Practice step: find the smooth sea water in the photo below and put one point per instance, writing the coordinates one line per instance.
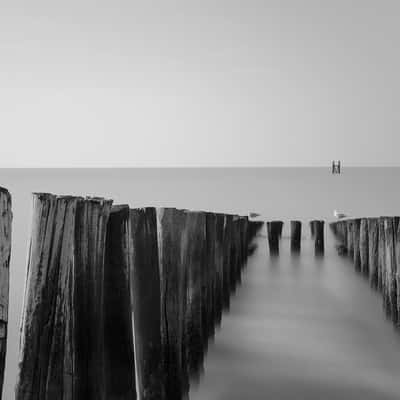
(298, 327)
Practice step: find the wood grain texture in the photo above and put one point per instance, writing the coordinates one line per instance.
(146, 305)
(120, 304)
(62, 345)
(5, 254)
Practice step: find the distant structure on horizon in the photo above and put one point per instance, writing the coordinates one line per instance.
(336, 168)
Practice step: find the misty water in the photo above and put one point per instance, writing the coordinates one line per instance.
(302, 327)
(298, 327)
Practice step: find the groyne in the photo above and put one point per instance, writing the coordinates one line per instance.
(120, 303)
(373, 244)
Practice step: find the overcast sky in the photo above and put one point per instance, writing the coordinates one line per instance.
(199, 83)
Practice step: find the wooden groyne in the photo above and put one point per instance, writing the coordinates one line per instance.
(373, 244)
(5, 252)
(120, 303)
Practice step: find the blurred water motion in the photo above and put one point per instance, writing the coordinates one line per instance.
(302, 327)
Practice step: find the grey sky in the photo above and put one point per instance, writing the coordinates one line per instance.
(129, 83)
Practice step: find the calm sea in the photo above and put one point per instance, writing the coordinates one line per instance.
(299, 327)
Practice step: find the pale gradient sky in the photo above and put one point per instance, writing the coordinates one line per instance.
(193, 83)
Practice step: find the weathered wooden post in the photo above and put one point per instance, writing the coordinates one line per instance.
(274, 229)
(381, 255)
(295, 236)
(364, 256)
(350, 238)
(118, 333)
(219, 264)
(62, 336)
(144, 278)
(397, 251)
(318, 234)
(46, 268)
(170, 223)
(211, 268)
(194, 258)
(92, 215)
(235, 253)
(312, 230)
(5, 253)
(373, 260)
(356, 241)
(227, 260)
(390, 294)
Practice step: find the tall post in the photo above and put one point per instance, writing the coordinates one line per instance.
(5, 253)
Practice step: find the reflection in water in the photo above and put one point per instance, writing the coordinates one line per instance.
(302, 327)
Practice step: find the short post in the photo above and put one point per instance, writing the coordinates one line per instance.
(295, 236)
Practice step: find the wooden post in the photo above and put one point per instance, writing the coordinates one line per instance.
(390, 294)
(62, 335)
(194, 258)
(381, 255)
(219, 264)
(144, 281)
(211, 268)
(312, 229)
(170, 223)
(274, 229)
(373, 240)
(42, 284)
(318, 234)
(92, 216)
(350, 238)
(295, 236)
(118, 333)
(397, 251)
(356, 241)
(227, 260)
(364, 256)
(5, 253)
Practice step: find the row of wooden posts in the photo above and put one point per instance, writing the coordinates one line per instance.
(274, 232)
(120, 303)
(373, 244)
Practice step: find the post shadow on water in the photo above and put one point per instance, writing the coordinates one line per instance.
(302, 326)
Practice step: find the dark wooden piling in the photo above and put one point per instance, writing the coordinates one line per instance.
(364, 241)
(219, 267)
(373, 255)
(194, 258)
(312, 229)
(5, 253)
(211, 231)
(397, 252)
(227, 245)
(144, 278)
(350, 238)
(62, 336)
(381, 254)
(356, 242)
(274, 230)
(119, 357)
(390, 293)
(92, 216)
(42, 285)
(235, 253)
(295, 236)
(170, 223)
(318, 234)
